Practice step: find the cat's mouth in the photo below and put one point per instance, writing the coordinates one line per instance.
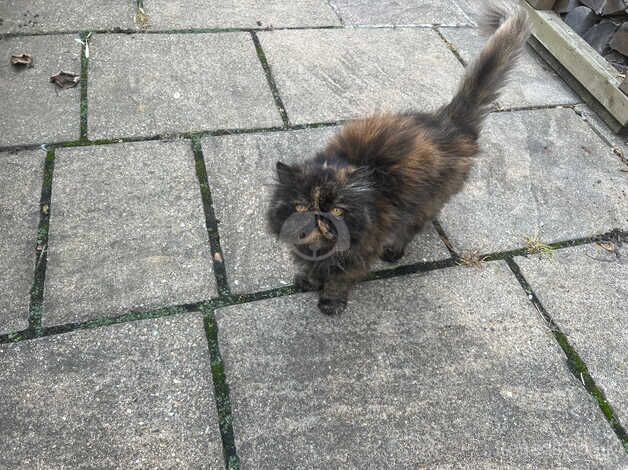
(315, 235)
(321, 233)
(319, 241)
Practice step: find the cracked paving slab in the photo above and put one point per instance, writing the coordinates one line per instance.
(127, 231)
(134, 395)
(148, 84)
(29, 16)
(620, 143)
(241, 170)
(411, 359)
(533, 83)
(21, 176)
(541, 173)
(591, 314)
(328, 75)
(35, 111)
(400, 12)
(164, 14)
(473, 8)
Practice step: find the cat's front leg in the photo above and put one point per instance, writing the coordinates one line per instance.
(305, 282)
(334, 295)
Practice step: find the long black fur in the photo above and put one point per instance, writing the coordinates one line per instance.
(389, 174)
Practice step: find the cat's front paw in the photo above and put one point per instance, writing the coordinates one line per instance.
(331, 306)
(304, 283)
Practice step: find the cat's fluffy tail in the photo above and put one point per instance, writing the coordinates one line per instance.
(487, 74)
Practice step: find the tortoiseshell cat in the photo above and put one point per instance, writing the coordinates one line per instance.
(383, 177)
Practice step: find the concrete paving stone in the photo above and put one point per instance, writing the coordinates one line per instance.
(326, 75)
(620, 142)
(400, 12)
(532, 84)
(33, 109)
(127, 231)
(147, 84)
(27, 16)
(542, 173)
(164, 14)
(20, 189)
(591, 314)
(473, 8)
(135, 395)
(241, 172)
(384, 384)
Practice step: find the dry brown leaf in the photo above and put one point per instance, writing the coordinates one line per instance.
(23, 60)
(608, 246)
(65, 79)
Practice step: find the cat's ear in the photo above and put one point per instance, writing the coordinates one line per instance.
(285, 173)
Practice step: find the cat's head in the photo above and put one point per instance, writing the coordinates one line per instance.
(322, 206)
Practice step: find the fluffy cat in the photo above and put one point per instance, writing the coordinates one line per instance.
(381, 178)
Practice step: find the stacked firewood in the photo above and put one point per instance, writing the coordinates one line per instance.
(602, 23)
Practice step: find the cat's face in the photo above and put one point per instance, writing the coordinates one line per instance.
(321, 207)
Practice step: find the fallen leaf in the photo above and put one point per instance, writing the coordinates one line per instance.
(608, 246)
(217, 257)
(22, 60)
(65, 79)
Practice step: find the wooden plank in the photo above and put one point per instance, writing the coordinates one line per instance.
(600, 78)
(577, 87)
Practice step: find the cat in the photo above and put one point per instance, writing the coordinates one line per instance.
(381, 178)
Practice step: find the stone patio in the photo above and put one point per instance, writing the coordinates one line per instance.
(147, 320)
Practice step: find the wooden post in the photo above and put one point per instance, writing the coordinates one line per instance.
(624, 86)
(542, 4)
(599, 77)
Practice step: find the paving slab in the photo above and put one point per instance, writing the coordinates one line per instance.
(400, 12)
(28, 16)
(137, 395)
(591, 314)
(21, 176)
(543, 174)
(164, 14)
(532, 84)
(127, 231)
(241, 172)
(147, 84)
(472, 8)
(327, 75)
(617, 141)
(384, 384)
(35, 111)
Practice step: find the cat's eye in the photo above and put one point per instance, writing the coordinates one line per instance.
(337, 212)
(301, 208)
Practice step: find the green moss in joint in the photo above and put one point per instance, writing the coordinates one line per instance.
(221, 391)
